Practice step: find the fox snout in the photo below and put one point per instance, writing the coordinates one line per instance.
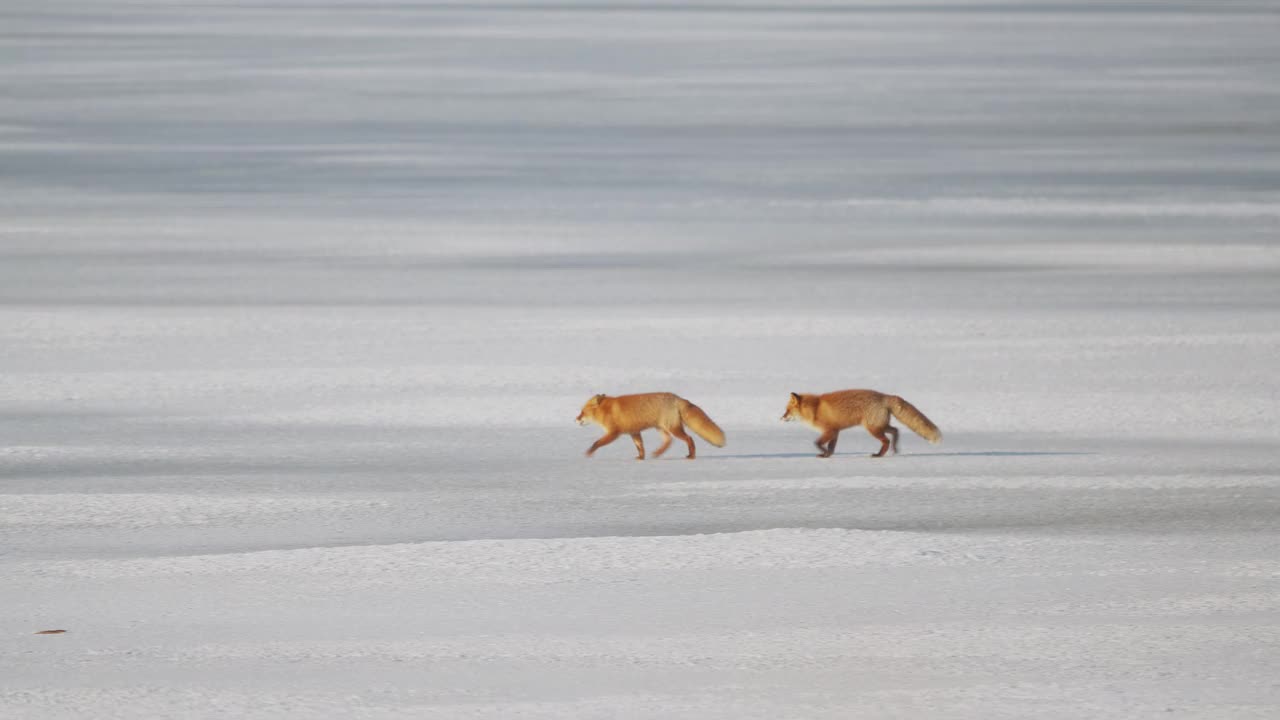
(582, 419)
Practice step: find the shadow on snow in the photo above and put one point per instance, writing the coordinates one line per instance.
(980, 453)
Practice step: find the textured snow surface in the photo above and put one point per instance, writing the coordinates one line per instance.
(298, 301)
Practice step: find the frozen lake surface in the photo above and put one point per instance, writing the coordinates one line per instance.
(298, 302)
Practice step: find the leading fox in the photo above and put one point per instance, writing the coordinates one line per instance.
(630, 414)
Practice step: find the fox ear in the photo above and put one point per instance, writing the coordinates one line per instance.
(599, 397)
(796, 396)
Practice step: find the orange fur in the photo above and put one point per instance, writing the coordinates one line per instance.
(629, 414)
(835, 411)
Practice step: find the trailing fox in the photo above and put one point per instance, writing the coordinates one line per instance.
(835, 411)
(630, 414)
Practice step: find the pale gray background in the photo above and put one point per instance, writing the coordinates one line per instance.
(298, 301)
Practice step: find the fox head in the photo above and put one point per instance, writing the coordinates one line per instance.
(793, 409)
(590, 409)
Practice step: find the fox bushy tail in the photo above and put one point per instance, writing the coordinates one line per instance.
(698, 422)
(914, 419)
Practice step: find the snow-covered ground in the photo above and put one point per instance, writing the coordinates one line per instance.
(298, 302)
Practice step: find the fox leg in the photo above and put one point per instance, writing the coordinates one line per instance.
(680, 433)
(639, 441)
(826, 442)
(893, 433)
(608, 438)
(878, 433)
(666, 443)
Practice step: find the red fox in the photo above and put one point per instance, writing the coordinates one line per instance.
(833, 412)
(630, 414)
